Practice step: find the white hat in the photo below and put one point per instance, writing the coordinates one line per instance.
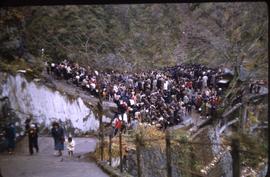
(32, 126)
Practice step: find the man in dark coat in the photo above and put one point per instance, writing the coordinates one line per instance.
(10, 135)
(33, 138)
(58, 136)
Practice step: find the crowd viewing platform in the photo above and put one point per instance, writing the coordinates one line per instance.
(161, 98)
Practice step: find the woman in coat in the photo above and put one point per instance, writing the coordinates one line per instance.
(59, 138)
(10, 135)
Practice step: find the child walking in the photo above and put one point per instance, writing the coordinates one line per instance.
(70, 146)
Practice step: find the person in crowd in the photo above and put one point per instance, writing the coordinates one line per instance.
(59, 138)
(33, 138)
(134, 124)
(257, 87)
(117, 125)
(10, 135)
(205, 80)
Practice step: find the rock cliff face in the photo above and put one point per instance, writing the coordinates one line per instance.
(46, 105)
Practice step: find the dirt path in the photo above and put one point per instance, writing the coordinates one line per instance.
(45, 164)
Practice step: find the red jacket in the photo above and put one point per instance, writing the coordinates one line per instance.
(118, 124)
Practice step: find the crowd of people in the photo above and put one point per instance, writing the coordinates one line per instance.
(161, 97)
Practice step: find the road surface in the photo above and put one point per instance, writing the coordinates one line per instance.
(46, 164)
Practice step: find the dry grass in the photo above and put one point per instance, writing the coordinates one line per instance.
(149, 136)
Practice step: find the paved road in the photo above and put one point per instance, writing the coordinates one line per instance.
(45, 164)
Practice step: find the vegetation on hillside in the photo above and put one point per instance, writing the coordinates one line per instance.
(140, 36)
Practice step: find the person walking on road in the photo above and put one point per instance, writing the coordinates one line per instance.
(59, 138)
(70, 146)
(10, 135)
(33, 138)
